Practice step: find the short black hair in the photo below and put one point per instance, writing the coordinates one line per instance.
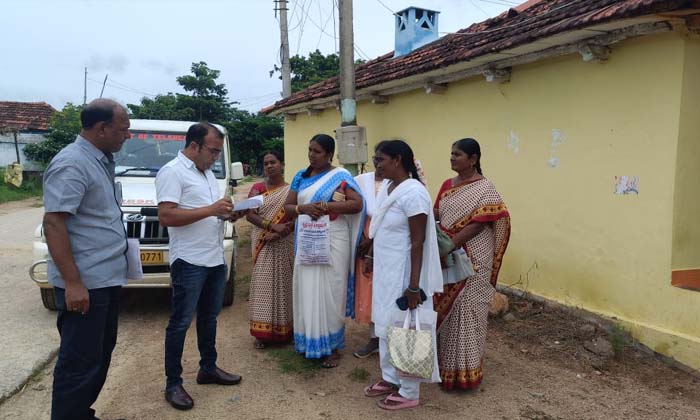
(99, 110)
(197, 132)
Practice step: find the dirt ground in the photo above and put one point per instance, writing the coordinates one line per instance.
(535, 368)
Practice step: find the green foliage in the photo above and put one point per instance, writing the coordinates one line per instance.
(30, 188)
(310, 70)
(162, 107)
(65, 125)
(206, 101)
(290, 361)
(359, 375)
(618, 339)
(252, 134)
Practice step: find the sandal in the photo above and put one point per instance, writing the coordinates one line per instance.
(396, 402)
(370, 348)
(380, 388)
(259, 345)
(331, 361)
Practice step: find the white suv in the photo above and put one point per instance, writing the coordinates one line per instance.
(153, 143)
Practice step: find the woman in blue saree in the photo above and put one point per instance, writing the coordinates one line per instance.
(323, 294)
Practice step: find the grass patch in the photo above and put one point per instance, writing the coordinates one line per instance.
(618, 339)
(247, 179)
(243, 286)
(30, 188)
(359, 375)
(289, 361)
(243, 241)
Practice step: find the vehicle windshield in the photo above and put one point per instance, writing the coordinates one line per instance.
(147, 151)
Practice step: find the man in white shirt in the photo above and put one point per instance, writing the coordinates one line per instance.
(190, 207)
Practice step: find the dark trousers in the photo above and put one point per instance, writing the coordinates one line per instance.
(199, 289)
(86, 348)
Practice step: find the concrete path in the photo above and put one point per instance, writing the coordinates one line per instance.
(28, 330)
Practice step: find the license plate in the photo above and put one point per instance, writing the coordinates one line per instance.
(152, 257)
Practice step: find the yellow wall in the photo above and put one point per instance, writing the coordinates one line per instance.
(573, 240)
(686, 229)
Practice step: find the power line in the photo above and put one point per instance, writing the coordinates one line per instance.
(387, 7)
(479, 8)
(356, 47)
(126, 89)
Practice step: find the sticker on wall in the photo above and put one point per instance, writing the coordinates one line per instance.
(625, 185)
(558, 138)
(514, 142)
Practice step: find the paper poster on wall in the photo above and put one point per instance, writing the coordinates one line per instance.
(625, 184)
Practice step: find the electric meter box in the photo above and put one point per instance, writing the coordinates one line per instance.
(351, 141)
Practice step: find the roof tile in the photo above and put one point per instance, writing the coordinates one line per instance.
(532, 20)
(26, 115)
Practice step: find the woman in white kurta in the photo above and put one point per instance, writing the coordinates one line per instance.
(323, 294)
(405, 260)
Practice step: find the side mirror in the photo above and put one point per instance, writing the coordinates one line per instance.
(237, 171)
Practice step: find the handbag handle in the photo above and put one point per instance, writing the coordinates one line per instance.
(407, 320)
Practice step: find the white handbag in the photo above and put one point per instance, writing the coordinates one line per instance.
(460, 269)
(411, 351)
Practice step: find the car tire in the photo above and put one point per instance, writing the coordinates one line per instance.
(48, 297)
(230, 290)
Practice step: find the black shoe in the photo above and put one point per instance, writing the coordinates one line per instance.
(179, 398)
(218, 377)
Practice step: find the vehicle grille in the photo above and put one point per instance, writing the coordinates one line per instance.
(146, 228)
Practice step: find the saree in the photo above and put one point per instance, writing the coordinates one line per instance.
(463, 307)
(270, 301)
(363, 282)
(323, 295)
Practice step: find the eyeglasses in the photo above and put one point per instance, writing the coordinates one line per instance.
(213, 151)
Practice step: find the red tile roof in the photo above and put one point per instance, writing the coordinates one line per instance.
(532, 20)
(26, 115)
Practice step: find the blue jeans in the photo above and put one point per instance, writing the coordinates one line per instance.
(86, 348)
(199, 289)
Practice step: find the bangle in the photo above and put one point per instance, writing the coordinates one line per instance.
(369, 257)
(266, 224)
(413, 290)
(296, 209)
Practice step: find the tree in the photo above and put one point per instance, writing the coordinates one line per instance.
(206, 100)
(162, 107)
(64, 127)
(253, 134)
(308, 71)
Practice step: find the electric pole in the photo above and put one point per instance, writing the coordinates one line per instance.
(103, 85)
(347, 65)
(85, 88)
(281, 5)
(351, 139)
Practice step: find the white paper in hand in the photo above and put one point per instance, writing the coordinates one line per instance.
(133, 260)
(314, 240)
(249, 204)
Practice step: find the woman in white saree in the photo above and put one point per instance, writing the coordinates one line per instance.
(405, 260)
(323, 294)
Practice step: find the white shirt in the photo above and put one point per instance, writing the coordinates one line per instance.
(180, 182)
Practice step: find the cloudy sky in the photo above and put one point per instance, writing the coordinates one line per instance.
(145, 44)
